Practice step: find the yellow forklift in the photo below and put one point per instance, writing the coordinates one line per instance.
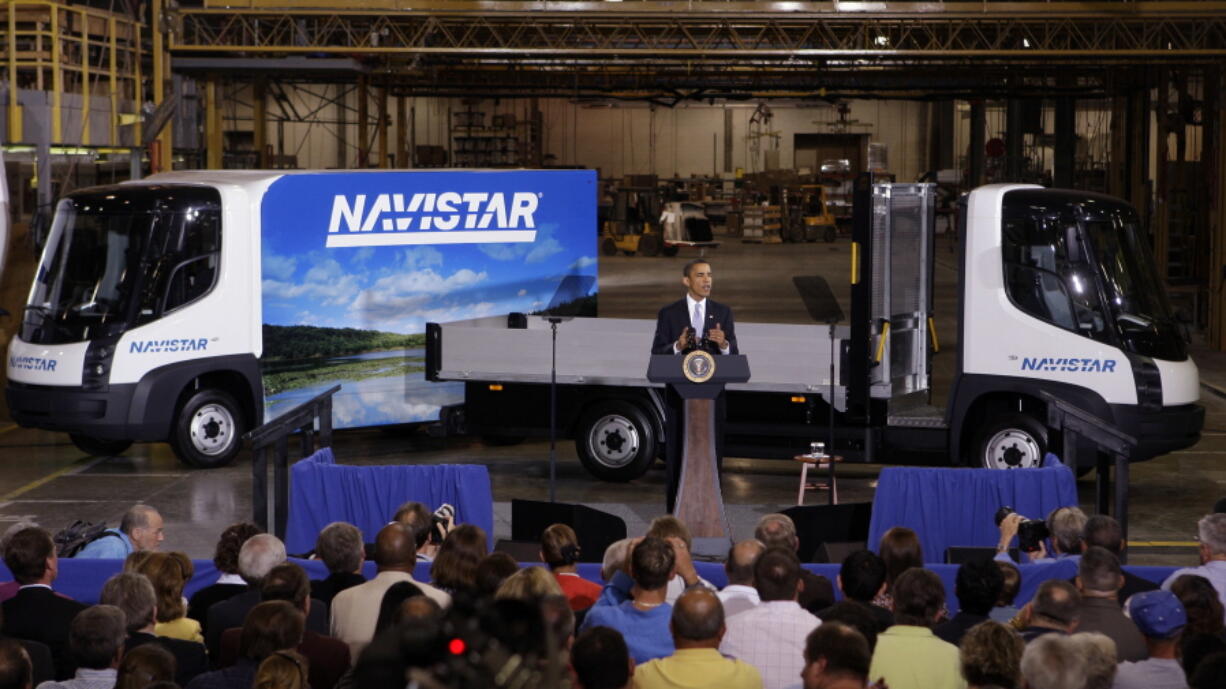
(809, 216)
(633, 223)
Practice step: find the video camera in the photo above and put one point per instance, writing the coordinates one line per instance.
(1030, 532)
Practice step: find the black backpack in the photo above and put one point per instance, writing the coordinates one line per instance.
(72, 539)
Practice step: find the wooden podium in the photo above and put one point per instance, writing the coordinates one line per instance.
(699, 377)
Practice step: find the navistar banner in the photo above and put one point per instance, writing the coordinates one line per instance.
(354, 264)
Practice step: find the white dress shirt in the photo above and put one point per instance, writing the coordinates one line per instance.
(738, 598)
(771, 637)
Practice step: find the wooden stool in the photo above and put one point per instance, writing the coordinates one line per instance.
(818, 462)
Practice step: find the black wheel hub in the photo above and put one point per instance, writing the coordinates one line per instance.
(614, 441)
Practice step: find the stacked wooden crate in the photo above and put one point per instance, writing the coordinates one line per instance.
(760, 224)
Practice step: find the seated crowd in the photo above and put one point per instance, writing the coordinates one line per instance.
(482, 620)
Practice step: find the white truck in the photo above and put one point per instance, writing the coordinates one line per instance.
(1058, 293)
(190, 307)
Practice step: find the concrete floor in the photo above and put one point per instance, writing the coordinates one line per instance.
(46, 479)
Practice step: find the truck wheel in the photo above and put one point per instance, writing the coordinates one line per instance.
(650, 245)
(670, 251)
(615, 441)
(830, 234)
(608, 247)
(207, 430)
(1013, 441)
(98, 447)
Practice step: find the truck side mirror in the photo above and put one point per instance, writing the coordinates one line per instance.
(1072, 245)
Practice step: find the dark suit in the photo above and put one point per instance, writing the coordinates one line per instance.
(189, 655)
(40, 614)
(207, 597)
(326, 589)
(231, 613)
(328, 657)
(670, 323)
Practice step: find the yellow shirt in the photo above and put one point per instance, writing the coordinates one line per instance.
(183, 628)
(696, 668)
(914, 658)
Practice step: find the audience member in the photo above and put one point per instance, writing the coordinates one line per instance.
(139, 530)
(909, 655)
(1054, 661)
(455, 567)
(600, 659)
(559, 622)
(779, 531)
(134, 596)
(1011, 583)
(1053, 610)
(615, 557)
(978, 587)
(1104, 531)
(697, 626)
(900, 550)
(560, 551)
(676, 532)
(991, 656)
(145, 665)
(39, 655)
(418, 516)
(356, 610)
(9, 589)
(1161, 619)
(1195, 648)
(771, 636)
(740, 595)
(493, 570)
(1067, 528)
(1099, 652)
(169, 573)
(643, 618)
(855, 615)
(229, 582)
(1210, 673)
(95, 638)
(37, 613)
(1211, 533)
(861, 579)
(16, 671)
(341, 548)
(271, 626)
(283, 670)
(1200, 602)
(530, 585)
(836, 657)
(1099, 579)
(390, 609)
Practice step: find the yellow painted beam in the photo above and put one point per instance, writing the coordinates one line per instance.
(212, 122)
(113, 80)
(14, 108)
(161, 69)
(85, 89)
(57, 80)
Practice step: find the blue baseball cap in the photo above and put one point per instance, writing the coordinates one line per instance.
(1158, 614)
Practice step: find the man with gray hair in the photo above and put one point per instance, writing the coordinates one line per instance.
(777, 530)
(1211, 532)
(95, 638)
(140, 529)
(133, 595)
(740, 595)
(697, 626)
(1099, 580)
(1053, 610)
(342, 549)
(1054, 661)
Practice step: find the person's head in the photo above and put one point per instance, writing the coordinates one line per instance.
(493, 570)
(559, 546)
(698, 619)
(856, 615)
(288, 582)
(96, 636)
(1099, 573)
(919, 596)
(991, 653)
(601, 659)
(559, 620)
(169, 573)
(776, 575)
(455, 566)
(1011, 582)
(741, 558)
(274, 625)
(144, 665)
(1211, 532)
(668, 526)
(529, 584)
(258, 556)
(133, 594)
(978, 586)
(900, 550)
(651, 563)
(341, 548)
(777, 531)
(283, 669)
(143, 525)
(16, 671)
(1201, 603)
(418, 608)
(1053, 661)
(1056, 605)
(30, 556)
(417, 516)
(1099, 652)
(1210, 673)
(1067, 525)
(862, 575)
(396, 548)
(225, 554)
(614, 558)
(1104, 531)
(1158, 615)
(696, 276)
(835, 651)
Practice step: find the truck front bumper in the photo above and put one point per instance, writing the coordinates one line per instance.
(1160, 432)
(97, 413)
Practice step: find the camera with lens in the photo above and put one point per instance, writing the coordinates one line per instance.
(1030, 532)
(441, 523)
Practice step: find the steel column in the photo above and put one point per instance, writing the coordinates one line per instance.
(213, 139)
(259, 115)
(381, 127)
(979, 126)
(1215, 174)
(1065, 162)
(363, 125)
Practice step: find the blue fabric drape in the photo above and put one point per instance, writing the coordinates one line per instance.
(323, 492)
(955, 507)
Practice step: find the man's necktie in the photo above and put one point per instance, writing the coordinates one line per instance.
(696, 321)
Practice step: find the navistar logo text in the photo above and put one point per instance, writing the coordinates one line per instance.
(432, 218)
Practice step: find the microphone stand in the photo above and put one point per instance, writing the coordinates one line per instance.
(553, 406)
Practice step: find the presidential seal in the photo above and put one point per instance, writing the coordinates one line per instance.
(698, 366)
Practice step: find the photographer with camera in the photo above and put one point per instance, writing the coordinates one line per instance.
(431, 529)
(1065, 527)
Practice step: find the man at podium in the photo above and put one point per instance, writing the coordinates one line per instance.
(693, 322)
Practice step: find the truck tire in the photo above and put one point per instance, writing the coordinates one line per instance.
(1012, 441)
(650, 245)
(670, 251)
(208, 430)
(608, 247)
(98, 447)
(615, 440)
